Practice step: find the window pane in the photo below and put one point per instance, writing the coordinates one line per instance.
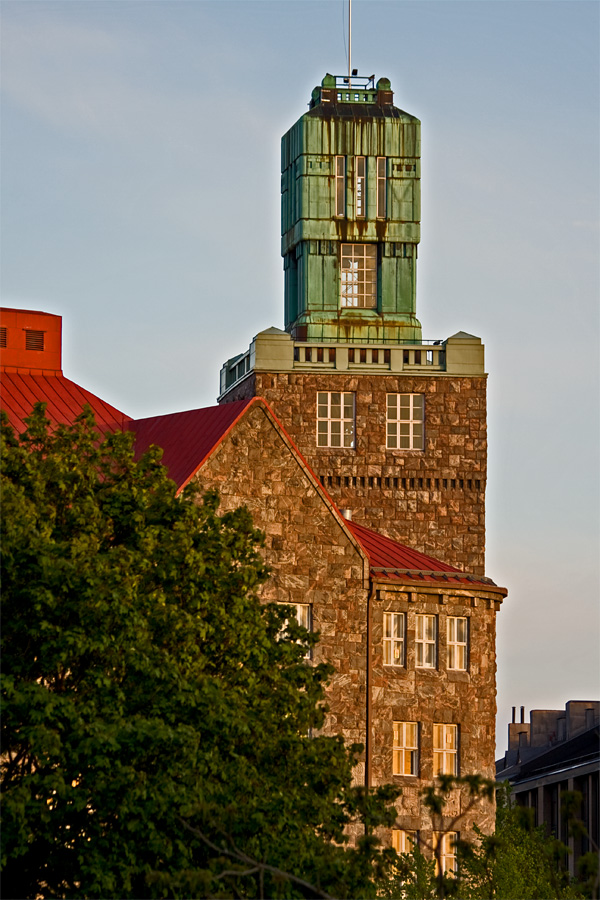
(430, 656)
(387, 625)
(419, 655)
(452, 656)
(451, 628)
(411, 734)
(303, 615)
(430, 627)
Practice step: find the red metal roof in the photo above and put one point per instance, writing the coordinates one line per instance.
(187, 438)
(64, 399)
(390, 560)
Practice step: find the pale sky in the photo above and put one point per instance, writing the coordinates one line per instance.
(140, 200)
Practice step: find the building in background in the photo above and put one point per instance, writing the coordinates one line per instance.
(557, 750)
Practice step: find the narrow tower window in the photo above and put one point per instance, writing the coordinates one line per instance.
(403, 841)
(426, 641)
(340, 185)
(359, 276)
(360, 187)
(304, 618)
(405, 748)
(446, 843)
(405, 421)
(381, 187)
(445, 750)
(393, 639)
(457, 642)
(335, 419)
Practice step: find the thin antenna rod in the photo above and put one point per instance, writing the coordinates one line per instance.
(349, 43)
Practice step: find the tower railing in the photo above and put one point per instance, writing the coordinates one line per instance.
(409, 358)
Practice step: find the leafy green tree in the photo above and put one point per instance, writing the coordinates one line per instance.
(518, 862)
(155, 721)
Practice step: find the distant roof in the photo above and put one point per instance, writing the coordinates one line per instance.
(393, 561)
(64, 399)
(187, 438)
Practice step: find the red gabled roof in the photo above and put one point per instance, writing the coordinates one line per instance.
(390, 560)
(187, 438)
(65, 400)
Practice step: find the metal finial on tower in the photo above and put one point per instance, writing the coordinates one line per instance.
(349, 43)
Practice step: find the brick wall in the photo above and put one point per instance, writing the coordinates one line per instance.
(313, 559)
(432, 500)
(437, 695)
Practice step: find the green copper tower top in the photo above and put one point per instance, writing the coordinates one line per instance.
(350, 213)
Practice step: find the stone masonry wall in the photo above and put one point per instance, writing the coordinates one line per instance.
(432, 500)
(312, 558)
(440, 695)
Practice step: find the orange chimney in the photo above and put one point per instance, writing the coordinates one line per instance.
(30, 342)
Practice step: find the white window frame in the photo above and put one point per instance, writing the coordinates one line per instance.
(340, 187)
(445, 749)
(381, 187)
(448, 858)
(336, 419)
(405, 421)
(405, 748)
(358, 276)
(404, 841)
(458, 649)
(426, 641)
(304, 618)
(360, 187)
(394, 638)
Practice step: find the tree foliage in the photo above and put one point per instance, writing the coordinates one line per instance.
(156, 722)
(518, 862)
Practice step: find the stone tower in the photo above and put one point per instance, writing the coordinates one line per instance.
(393, 425)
